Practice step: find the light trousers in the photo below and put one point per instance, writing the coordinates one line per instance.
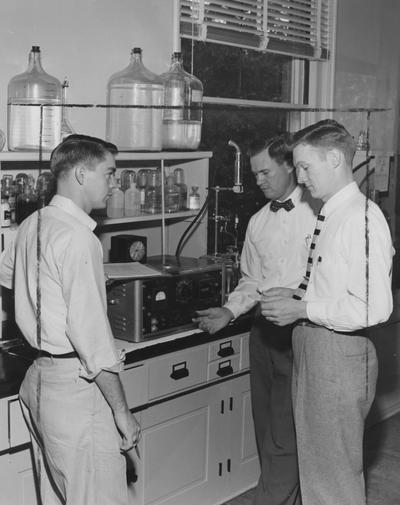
(334, 379)
(76, 445)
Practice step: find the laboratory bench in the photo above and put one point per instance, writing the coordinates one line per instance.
(191, 394)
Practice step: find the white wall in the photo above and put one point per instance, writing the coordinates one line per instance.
(85, 40)
(367, 67)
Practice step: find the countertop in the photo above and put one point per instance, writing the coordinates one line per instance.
(16, 360)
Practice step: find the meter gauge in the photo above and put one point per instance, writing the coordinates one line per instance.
(126, 247)
(137, 251)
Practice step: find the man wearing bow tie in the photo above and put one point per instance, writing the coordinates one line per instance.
(274, 254)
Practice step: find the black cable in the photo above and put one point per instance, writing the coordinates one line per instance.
(360, 165)
(195, 220)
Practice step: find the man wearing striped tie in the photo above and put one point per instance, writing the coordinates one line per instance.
(274, 253)
(346, 289)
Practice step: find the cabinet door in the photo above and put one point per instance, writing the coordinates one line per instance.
(245, 464)
(17, 482)
(175, 451)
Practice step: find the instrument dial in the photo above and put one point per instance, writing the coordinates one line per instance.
(137, 250)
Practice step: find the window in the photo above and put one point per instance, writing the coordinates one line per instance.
(294, 27)
(258, 60)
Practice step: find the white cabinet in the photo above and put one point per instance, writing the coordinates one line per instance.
(16, 475)
(198, 448)
(197, 444)
(16, 478)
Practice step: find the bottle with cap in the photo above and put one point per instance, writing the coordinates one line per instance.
(180, 182)
(34, 108)
(134, 124)
(116, 202)
(171, 195)
(153, 193)
(132, 200)
(194, 198)
(182, 115)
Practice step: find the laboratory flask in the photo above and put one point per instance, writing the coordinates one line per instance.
(34, 108)
(134, 112)
(182, 115)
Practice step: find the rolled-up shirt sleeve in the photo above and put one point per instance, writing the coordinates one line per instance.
(88, 328)
(245, 296)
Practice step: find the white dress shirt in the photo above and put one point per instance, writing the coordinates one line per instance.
(336, 295)
(73, 297)
(275, 251)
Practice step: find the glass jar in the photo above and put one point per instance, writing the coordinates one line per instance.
(194, 198)
(26, 203)
(182, 115)
(180, 182)
(153, 193)
(34, 108)
(127, 177)
(135, 128)
(141, 183)
(171, 195)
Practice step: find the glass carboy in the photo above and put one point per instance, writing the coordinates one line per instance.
(182, 116)
(30, 93)
(138, 127)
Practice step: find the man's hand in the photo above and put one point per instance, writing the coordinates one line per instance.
(110, 385)
(278, 306)
(129, 429)
(214, 319)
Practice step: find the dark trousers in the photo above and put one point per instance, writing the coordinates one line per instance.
(271, 361)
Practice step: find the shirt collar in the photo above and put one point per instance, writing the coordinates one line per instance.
(295, 195)
(68, 206)
(339, 198)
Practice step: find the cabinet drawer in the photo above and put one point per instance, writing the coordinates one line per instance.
(134, 380)
(224, 348)
(244, 352)
(223, 368)
(177, 371)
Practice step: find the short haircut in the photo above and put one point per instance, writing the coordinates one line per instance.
(277, 148)
(76, 149)
(327, 134)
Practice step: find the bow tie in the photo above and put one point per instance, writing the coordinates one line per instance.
(287, 205)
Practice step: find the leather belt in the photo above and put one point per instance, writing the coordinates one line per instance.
(362, 332)
(45, 354)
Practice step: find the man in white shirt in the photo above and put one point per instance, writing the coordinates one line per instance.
(346, 289)
(71, 396)
(274, 253)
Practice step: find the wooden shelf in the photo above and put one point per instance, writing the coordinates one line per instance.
(125, 155)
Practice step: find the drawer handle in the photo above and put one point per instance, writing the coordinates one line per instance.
(224, 369)
(225, 351)
(179, 371)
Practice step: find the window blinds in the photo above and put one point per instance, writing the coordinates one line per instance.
(298, 28)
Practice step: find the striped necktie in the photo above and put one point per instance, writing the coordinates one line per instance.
(306, 279)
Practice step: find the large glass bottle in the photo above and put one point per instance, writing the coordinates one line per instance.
(135, 128)
(34, 108)
(183, 93)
